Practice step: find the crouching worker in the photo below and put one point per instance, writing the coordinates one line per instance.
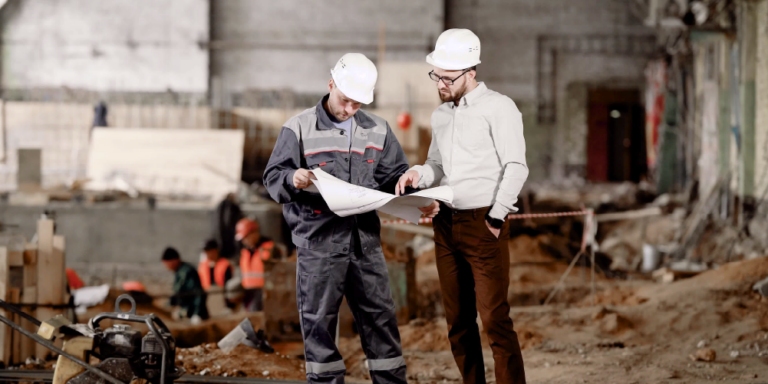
(188, 294)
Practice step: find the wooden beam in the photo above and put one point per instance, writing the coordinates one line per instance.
(4, 329)
(29, 296)
(66, 368)
(50, 270)
(14, 296)
(15, 259)
(30, 256)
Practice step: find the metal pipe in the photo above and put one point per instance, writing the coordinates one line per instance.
(19, 312)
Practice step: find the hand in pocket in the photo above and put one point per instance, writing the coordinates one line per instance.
(496, 232)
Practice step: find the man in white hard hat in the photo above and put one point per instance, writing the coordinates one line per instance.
(340, 256)
(478, 150)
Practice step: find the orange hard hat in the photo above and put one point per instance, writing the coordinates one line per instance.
(245, 227)
(134, 286)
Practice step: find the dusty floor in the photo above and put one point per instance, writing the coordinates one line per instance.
(639, 331)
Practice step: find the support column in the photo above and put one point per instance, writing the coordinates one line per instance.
(748, 44)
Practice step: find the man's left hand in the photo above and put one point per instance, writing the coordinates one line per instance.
(496, 232)
(430, 210)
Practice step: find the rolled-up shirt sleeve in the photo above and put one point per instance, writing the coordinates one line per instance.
(431, 172)
(507, 132)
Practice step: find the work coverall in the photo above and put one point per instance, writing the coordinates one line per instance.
(340, 256)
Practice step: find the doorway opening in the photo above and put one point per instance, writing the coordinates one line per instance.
(616, 136)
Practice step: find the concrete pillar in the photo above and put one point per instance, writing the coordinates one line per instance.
(724, 118)
(761, 102)
(748, 69)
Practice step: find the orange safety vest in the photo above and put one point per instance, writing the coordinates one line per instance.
(252, 268)
(219, 272)
(73, 280)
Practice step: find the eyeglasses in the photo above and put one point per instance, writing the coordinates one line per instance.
(446, 80)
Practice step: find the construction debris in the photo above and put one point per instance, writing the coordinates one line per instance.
(704, 354)
(761, 287)
(244, 334)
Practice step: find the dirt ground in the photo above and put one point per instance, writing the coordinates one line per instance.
(639, 331)
(243, 361)
(633, 331)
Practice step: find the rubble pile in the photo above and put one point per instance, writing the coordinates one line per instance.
(209, 360)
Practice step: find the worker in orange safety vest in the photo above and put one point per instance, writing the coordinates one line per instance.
(214, 269)
(256, 249)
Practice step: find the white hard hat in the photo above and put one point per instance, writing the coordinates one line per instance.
(355, 76)
(456, 49)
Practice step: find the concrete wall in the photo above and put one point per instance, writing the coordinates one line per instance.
(761, 102)
(512, 32)
(129, 238)
(136, 46)
(265, 44)
(62, 131)
(509, 29)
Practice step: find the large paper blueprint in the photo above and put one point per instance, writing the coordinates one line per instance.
(346, 199)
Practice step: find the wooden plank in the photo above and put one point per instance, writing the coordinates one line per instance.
(30, 256)
(4, 330)
(50, 270)
(30, 269)
(2, 131)
(66, 368)
(14, 296)
(15, 259)
(29, 296)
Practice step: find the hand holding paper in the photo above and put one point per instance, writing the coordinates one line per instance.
(346, 199)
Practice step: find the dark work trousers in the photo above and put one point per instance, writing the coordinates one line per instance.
(322, 280)
(253, 299)
(473, 266)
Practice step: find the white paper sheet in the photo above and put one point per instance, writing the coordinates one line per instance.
(346, 199)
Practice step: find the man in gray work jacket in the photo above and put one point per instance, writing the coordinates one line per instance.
(478, 150)
(340, 256)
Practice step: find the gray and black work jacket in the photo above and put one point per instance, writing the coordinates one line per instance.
(309, 140)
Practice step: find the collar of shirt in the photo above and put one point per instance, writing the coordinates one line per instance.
(325, 120)
(472, 96)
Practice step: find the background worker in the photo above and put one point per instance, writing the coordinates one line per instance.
(340, 256)
(225, 217)
(477, 149)
(213, 269)
(188, 293)
(256, 249)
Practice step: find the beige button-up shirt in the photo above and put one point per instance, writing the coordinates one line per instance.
(478, 150)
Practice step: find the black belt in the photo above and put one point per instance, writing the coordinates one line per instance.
(446, 209)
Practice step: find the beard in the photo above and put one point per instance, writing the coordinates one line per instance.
(453, 96)
(339, 114)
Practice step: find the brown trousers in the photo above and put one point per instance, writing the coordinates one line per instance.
(473, 266)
